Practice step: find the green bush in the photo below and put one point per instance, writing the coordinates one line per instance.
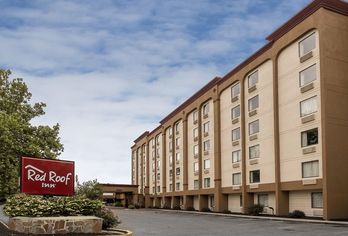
(131, 207)
(297, 214)
(35, 206)
(190, 209)
(118, 204)
(109, 219)
(255, 209)
(206, 209)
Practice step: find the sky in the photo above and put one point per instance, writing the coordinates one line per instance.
(109, 70)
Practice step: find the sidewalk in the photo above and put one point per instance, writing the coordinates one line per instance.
(316, 221)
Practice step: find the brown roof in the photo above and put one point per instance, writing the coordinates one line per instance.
(141, 136)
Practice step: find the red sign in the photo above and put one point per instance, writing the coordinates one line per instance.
(47, 177)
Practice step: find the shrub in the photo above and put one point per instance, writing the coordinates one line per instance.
(226, 212)
(255, 209)
(190, 209)
(206, 209)
(137, 206)
(109, 219)
(297, 214)
(118, 204)
(32, 206)
(176, 208)
(131, 206)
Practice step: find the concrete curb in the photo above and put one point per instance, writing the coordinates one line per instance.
(3, 223)
(345, 223)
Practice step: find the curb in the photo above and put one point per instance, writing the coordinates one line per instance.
(343, 223)
(3, 223)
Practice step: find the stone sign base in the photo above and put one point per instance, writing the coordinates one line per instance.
(56, 225)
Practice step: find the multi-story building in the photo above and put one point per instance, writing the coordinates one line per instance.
(272, 131)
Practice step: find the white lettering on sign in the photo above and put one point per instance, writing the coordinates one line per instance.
(37, 175)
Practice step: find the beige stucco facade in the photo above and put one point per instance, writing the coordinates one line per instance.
(280, 140)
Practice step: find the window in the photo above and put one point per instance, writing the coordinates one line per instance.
(206, 164)
(236, 179)
(170, 173)
(170, 131)
(254, 127)
(177, 142)
(254, 151)
(206, 127)
(170, 146)
(310, 169)
(241, 200)
(307, 45)
(153, 189)
(255, 176)
(262, 199)
(308, 75)
(235, 90)
(309, 137)
(236, 134)
(170, 160)
(195, 167)
(195, 116)
(206, 182)
(157, 139)
(177, 127)
(236, 156)
(158, 164)
(170, 187)
(317, 200)
(206, 109)
(177, 171)
(158, 189)
(206, 145)
(253, 79)
(177, 187)
(195, 184)
(253, 103)
(158, 176)
(177, 156)
(308, 106)
(195, 133)
(235, 112)
(195, 150)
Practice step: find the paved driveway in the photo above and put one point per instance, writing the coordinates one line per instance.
(155, 222)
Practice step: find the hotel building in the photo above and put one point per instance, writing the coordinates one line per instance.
(272, 131)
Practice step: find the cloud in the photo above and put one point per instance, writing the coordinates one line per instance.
(109, 70)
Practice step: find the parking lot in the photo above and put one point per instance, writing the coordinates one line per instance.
(170, 223)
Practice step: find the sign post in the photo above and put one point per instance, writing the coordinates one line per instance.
(47, 177)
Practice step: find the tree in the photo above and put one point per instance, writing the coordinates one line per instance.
(90, 189)
(18, 137)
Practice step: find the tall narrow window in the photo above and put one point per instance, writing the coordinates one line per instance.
(235, 112)
(310, 169)
(177, 186)
(195, 150)
(236, 179)
(206, 127)
(262, 199)
(253, 103)
(195, 116)
(177, 142)
(206, 145)
(307, 45)
(177, 127)
(195, 184)
(177, 156)
(308, 106)
(317, 200)
(235, 90)
(236, 156)
(254, 151)
(177, 171)
(195, 167)
(236, 134)
(206, 164)
(195, 133)
(253, 79)
(308, 75)
(255, 176)
(206, 109)
(254, 127)
(309, 137)
(206, 182)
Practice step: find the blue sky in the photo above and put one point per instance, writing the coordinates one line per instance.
(109, 70)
